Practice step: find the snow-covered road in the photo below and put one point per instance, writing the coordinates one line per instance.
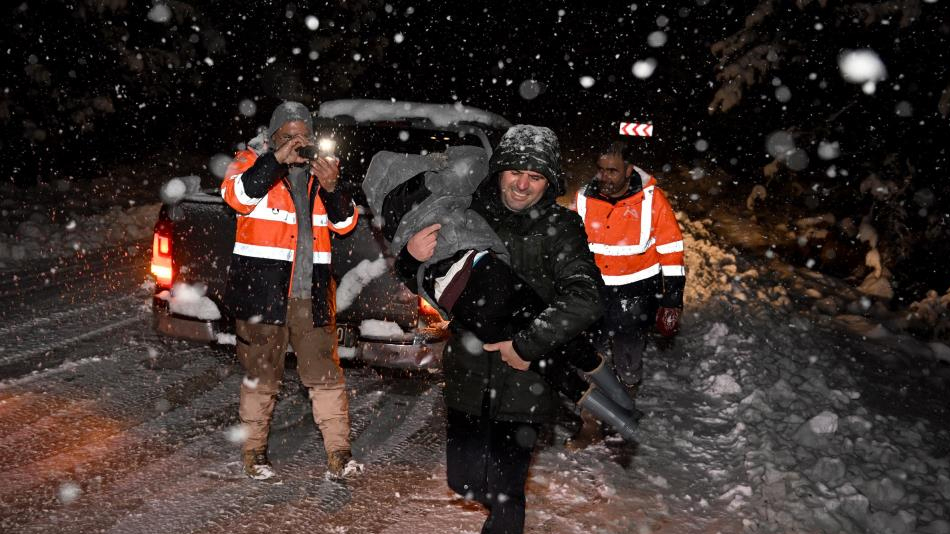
(761, 417)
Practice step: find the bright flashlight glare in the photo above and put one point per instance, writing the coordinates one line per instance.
(326, 145)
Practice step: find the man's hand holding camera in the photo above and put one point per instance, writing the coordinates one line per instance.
(286, 154)
(325, 168)
(327, 171)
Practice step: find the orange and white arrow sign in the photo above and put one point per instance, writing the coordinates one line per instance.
(636, 128)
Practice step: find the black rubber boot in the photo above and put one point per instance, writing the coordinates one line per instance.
(604, 378)
(601, 407)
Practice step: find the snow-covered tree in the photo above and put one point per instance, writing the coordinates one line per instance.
(854, 97)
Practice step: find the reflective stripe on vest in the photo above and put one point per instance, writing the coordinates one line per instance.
(261, 211)
(625, 279)
(239, 192)
(276, 253)
(342, 224)
(646, 225)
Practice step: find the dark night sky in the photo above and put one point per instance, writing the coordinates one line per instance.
(192, 70)
(91, 86)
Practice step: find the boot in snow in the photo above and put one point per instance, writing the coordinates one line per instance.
(256, 464)
(588, 434)
(340, 464)
(604, 378)
(608, 411)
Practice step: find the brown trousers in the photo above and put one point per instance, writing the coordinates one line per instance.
(261, 349)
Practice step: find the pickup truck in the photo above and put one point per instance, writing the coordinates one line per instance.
(379, 321)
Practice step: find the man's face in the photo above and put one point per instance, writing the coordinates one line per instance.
(521, 189)
(290, 130)
(613, 175)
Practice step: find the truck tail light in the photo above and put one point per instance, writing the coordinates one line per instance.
(162, 256)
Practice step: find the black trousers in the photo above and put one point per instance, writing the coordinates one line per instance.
(629, 312)
(487, 461)
(496, 303)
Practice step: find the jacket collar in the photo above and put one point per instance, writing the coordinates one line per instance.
(636, 186)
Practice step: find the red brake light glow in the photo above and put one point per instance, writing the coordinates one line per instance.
(427, 309)
(162, 259)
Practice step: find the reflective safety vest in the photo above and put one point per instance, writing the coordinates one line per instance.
(262, 263)
(634, 239)
(267, 226)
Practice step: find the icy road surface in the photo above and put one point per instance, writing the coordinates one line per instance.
(758, 420)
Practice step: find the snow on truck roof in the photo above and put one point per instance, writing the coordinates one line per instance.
(363, 110)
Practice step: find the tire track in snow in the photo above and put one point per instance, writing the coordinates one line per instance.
(54, 273)
(97, 464)
(73, 327)
(177, 475)
(49, 316)
(303, 496)
(58, 442)
(75, 334)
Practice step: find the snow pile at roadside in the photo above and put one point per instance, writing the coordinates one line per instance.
(38, 237)
(813, 454)
(758, 414)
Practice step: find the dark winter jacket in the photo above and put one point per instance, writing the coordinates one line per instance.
(548, 249)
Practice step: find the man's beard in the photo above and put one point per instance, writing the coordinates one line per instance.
(612, 189)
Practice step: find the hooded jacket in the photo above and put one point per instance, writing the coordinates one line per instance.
(548, 249)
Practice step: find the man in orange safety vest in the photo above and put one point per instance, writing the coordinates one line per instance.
(280, 282)
(638, 246)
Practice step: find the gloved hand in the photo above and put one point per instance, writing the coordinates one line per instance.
(668, 321)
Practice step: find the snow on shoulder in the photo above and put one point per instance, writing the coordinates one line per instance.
(363, 110)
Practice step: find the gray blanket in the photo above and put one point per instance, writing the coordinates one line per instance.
(452, 177)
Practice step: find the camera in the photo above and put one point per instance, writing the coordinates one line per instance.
(307, 152)
(324, 148)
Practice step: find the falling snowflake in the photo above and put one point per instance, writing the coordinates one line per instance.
(159, 13)
(656, 39)
(529, 89)
(236, 434)
(247, 107)
(643, 69)
(68, 492)
(863, 67)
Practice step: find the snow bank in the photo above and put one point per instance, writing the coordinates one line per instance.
(39, 237)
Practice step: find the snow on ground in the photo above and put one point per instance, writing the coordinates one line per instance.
(784, 405)
(776, 419)
(65, 218)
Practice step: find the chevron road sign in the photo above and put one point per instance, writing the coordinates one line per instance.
(636, 128)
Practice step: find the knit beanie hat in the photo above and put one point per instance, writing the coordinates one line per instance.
(530, 148)
(289, 112)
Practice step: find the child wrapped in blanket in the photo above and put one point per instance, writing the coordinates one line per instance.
(468, 278)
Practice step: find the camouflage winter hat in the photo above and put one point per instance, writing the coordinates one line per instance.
(289, 112)
(530, 148)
